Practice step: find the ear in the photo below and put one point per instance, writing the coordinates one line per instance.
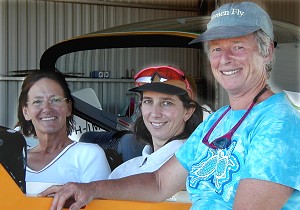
(69, 109)
(270, 55)
(189, 112)
(25, 113)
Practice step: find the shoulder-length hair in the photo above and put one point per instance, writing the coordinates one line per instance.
(27, 127)
(143, 134)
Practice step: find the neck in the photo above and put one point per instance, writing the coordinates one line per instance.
(156, 147)
(50, 143)
(245, 100)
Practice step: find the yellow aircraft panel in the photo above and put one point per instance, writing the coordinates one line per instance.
(12, 198)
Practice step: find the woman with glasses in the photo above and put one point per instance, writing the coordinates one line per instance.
(244, 155)
(45, 112)
(168, 116)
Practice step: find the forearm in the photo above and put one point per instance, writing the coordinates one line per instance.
(143, 187)
(260, 194)
(151, 187)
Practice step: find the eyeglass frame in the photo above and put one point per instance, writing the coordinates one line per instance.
(219, 142)
(50, 101)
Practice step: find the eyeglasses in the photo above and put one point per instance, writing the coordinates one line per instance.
(55, 101)
(163, 73)
(224, 141)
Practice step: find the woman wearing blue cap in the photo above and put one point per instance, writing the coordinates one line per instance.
(243, 156)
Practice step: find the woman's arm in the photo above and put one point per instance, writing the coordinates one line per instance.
(153, 187)
(259, 194)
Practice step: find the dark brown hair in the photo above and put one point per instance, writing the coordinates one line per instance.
(27, 127)
(142, 133)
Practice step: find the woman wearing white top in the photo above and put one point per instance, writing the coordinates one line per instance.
(45, 112)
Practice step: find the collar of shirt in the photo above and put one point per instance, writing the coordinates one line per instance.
(162, 154)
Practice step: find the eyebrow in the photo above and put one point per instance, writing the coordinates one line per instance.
(234, 40)
(43, 96)
(160, 98)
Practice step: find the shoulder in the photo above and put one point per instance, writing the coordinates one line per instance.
(174, 143)
(87, 147)
(132, 166)
(278, 99)
(278, 107)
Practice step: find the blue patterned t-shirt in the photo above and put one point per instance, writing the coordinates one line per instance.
(265, 147)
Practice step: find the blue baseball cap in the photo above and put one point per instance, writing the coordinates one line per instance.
(235, 20)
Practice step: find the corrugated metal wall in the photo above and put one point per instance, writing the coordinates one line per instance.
(29, 27)
(285, 10)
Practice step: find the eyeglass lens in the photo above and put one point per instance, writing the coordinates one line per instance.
(54, 101)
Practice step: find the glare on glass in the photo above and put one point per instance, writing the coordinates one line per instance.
(55, 101)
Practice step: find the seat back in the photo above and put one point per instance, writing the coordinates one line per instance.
(108, 141)
(13, 155)
(114, 158)
(294, 98)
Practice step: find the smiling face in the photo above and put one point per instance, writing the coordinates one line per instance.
(49, 118)
(237, 64)
(164, 116)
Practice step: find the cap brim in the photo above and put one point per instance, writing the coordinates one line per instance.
(159, 87)
(224, 32)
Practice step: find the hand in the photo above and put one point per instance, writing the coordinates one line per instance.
(80, 193)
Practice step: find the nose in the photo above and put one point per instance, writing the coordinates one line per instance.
(226, 56)
(156, 110)
(46, 105)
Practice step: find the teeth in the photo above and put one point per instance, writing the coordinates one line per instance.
(47, 118)
(157, 124)
(230, 72)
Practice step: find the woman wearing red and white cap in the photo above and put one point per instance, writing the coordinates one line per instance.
(169, 114)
